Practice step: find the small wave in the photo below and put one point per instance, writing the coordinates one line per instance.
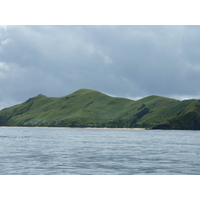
(4, 136)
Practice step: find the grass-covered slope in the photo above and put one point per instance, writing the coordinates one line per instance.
(82, 108)
(89, 108)
(188, 118)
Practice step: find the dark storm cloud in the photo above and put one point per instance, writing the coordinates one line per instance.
(128, 61)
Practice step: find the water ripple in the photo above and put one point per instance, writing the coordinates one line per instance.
(98, 151)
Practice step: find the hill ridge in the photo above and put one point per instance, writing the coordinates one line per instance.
(90, 108)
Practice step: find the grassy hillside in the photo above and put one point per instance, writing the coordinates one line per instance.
(187, 119)
(82, 108)
(89, 108)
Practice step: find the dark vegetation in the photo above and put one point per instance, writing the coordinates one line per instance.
(89, 108)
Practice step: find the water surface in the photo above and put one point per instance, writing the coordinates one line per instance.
(65, 151)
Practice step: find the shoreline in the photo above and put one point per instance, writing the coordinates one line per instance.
(94, 128)
(71, 127)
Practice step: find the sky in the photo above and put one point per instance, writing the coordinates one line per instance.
(130, 61)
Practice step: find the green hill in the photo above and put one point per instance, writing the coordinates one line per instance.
(89, 108)
(188, 118)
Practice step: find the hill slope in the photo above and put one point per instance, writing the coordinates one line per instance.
(89, 108)
(188, 118)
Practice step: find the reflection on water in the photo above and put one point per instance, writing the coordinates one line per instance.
(98, 151)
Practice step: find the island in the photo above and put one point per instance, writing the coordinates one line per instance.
(90, 108)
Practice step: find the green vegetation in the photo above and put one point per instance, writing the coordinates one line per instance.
(89, 108)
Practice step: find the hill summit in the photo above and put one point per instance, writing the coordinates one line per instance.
(90, 108)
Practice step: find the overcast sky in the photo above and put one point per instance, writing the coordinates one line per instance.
(126, 61)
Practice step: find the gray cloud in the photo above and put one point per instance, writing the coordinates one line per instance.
(127, 61)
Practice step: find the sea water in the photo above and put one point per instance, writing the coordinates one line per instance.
(82, 151)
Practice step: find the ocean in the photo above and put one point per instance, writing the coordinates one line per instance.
(84, 151)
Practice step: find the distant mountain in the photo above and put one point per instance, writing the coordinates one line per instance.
(89, 108)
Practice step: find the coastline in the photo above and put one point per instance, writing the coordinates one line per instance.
(71, 127)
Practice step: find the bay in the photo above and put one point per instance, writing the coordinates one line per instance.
(83, 151)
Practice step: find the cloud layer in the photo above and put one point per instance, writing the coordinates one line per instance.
(127, 61)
